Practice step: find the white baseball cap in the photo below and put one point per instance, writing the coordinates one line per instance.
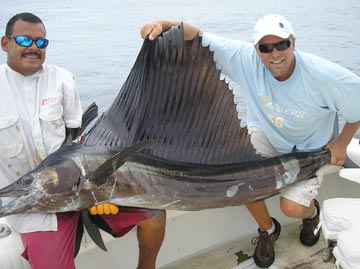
(272, 24)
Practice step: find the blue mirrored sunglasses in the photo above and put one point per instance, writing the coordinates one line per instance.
(26, 41)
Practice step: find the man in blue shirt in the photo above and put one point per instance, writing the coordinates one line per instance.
(293, 98)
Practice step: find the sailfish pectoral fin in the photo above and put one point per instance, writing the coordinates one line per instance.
(112, 164)
(92, 229)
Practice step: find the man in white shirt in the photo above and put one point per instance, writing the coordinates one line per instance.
(39, 106)
(293, 98)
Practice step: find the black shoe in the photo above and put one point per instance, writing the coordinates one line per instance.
(307, 236)
(264, 254)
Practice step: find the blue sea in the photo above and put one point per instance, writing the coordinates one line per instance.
(98, 41)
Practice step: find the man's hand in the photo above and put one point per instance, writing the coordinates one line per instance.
(338, 146)
(153, 29)
(104, 208)
(338, 152)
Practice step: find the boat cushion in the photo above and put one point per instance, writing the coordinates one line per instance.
(340, 221)
(347, 251)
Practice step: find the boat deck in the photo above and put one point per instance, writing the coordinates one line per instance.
(290, 254)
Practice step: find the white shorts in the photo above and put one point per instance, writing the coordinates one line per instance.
(302, 192)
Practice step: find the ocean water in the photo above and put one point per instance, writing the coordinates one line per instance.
(98, 41)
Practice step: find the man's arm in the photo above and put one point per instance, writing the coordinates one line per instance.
(338, 146)
(155, 28)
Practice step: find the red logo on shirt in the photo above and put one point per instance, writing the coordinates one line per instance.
(48, 101)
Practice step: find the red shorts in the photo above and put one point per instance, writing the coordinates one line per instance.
(55, 249)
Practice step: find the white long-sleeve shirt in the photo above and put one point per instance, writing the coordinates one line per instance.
(34, 111)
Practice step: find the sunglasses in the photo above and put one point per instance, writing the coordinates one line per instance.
(280, 46)
(26, 41)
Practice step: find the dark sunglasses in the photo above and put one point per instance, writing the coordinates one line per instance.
(280, 46)
(26, 41)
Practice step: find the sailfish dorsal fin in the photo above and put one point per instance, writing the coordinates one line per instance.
(174, 94)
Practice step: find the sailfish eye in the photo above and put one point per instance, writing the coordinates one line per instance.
(27, 179)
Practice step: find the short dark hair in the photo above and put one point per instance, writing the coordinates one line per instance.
(25, 16)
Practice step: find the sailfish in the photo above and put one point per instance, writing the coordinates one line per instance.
(171, 139)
